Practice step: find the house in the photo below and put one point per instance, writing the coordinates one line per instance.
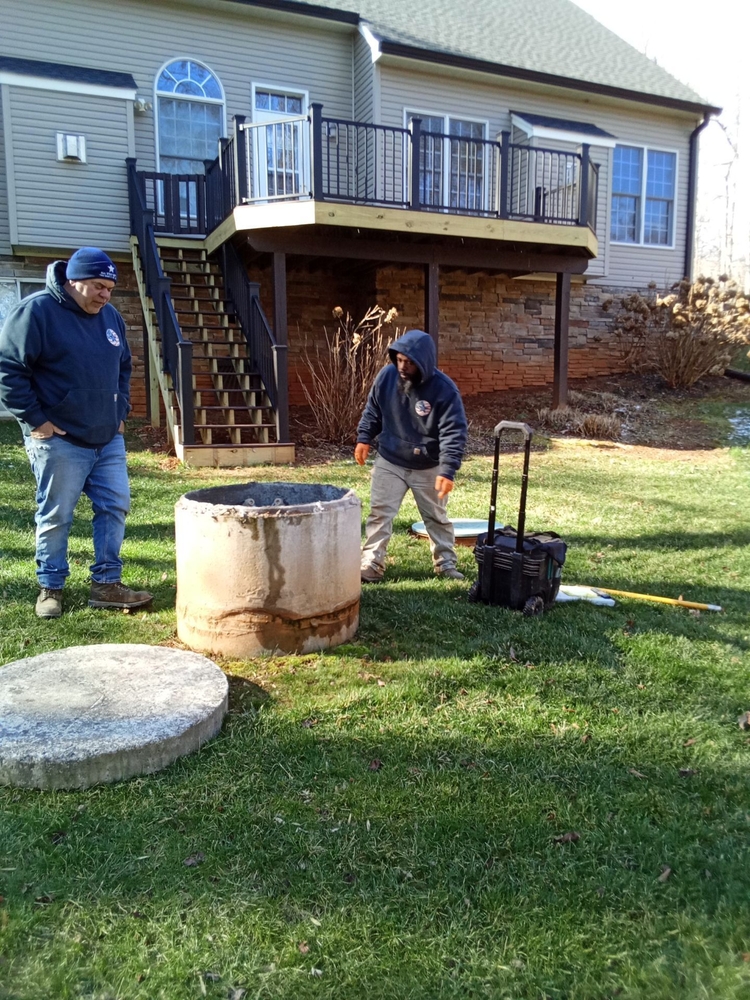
(494, 172)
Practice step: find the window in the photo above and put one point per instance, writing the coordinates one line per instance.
(643, 201)
(190, 116)
(451, 160)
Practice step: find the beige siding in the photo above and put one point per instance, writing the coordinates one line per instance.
(242, 45)
(4, 222)
(473, 97)
(62, 204)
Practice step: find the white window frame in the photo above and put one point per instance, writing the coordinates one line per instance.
(644, 178)
(260, 179)
(422, 113)
(183, 97)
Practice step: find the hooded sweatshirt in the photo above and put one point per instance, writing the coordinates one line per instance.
(419, 425)
(62, 364)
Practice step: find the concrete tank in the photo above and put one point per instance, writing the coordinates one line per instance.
(267, 567)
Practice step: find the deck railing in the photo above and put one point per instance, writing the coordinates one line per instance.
(334, 159)
(177, 352)
(267, 357)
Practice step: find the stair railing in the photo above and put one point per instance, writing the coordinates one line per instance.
(177, 352)
(268, 357)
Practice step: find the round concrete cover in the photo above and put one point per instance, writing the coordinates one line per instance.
(88, 714)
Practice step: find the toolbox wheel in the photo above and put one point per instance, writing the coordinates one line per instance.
(533, 607)
(474, 593)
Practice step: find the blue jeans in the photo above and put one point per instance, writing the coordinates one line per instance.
(64, 471)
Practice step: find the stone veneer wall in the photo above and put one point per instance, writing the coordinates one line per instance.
(495, 332)
(125, 299)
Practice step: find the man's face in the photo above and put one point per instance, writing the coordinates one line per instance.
(92, 294)
(406, 367)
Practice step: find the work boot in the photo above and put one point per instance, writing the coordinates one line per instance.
(117, 595)
(451, 574)
(371, 574)
(49, 603)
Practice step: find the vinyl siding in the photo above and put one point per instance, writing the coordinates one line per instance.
(625, 266)
(69, 204)
(4, 222)
(364, 80)
(241, 45)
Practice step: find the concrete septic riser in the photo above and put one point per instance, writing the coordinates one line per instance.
(88, 714)
(267, 567)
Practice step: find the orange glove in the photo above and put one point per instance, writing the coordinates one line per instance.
(361, 452)
(443, 486)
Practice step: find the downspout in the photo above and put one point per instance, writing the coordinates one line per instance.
(692, 197)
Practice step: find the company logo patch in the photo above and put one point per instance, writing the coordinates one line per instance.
(113, 337)
(423, 408)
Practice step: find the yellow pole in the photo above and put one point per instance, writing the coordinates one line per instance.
(661, 600)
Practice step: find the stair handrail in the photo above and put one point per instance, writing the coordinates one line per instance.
(267, 356)
(177, 351)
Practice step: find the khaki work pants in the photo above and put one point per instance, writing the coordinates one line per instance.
(388, 489)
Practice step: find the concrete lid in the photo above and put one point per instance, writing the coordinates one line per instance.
(87, 714)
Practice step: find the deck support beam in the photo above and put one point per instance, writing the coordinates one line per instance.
(280, 349)
(562, 320)
(432, 304)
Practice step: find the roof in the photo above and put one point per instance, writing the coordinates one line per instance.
(549, 41)
(71, 74)
(564, 125)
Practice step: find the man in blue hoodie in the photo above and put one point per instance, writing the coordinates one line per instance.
(65, 376)
(415, 412)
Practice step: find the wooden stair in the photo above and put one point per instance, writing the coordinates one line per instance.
(235, 423)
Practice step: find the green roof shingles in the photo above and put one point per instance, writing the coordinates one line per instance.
(552, 37)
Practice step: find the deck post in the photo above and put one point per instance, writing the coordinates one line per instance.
(503, 207)
(280, 350)
(432, 304)
(583, 212)
(316, 117)
(241, 160)
(562, 318)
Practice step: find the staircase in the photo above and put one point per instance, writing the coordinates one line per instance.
(234, 421)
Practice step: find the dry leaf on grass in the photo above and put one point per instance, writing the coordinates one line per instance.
(744, 720)
(195, 859)
(303, 947)
(567, 838)
(375, 764)
(687, 772)
(308, 723)
(636, 774)
(690, 743)
(666, 871)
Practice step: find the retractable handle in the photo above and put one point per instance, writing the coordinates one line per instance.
(511, 425)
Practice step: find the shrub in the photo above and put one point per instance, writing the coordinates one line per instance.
(571, 420)
(692, 331)
(342, 372)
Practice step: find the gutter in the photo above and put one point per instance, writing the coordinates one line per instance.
(305, 9)
(692, 197)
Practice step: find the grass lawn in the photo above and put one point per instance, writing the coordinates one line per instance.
(380, 821)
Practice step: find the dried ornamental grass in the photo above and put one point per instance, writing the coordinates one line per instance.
(693, 331)
(342, 372)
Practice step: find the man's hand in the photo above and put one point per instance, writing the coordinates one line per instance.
(361, 452)
(46, 430)
(121, 428)
(443, 486)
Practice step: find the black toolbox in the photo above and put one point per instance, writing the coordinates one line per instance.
(517, 570)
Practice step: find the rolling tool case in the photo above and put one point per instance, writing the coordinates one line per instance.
(517, 570)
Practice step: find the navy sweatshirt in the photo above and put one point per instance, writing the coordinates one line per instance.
(62, 364)
(421, 425)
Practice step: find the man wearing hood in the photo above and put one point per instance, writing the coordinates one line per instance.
(65, 376)
(415, 412)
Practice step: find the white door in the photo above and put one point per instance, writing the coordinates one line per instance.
(279, 150)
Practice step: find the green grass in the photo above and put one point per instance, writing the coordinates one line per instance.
(436, 875)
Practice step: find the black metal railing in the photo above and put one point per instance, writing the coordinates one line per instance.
(333, 159)
(178, 202)
(177, 352)
(267, 357)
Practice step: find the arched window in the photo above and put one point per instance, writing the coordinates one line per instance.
(190, 115)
